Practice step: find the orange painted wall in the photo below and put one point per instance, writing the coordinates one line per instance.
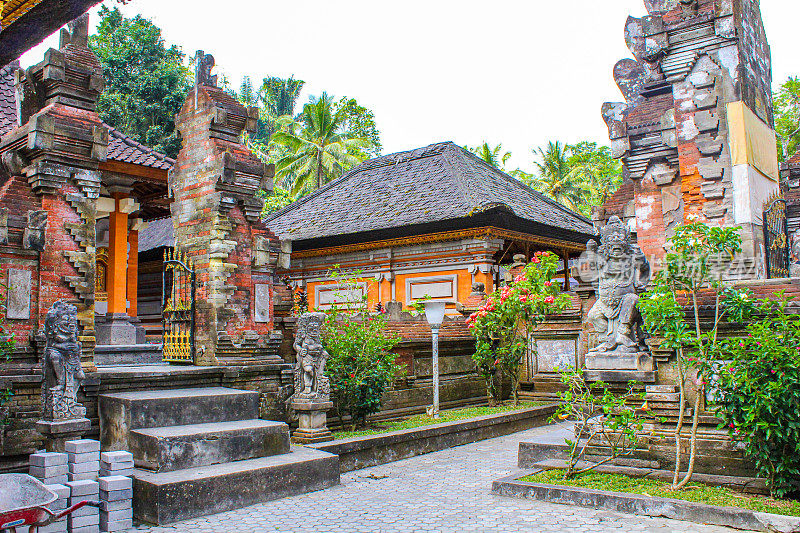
(373, 290)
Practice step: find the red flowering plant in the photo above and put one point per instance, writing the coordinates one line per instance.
(508, 316)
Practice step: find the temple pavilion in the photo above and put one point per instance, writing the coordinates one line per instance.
(428, 222)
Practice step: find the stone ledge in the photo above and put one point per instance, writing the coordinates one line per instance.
(372, 450)
(639, 504)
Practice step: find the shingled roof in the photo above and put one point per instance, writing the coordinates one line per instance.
(423, 186)
(121, 148)
(125, 150)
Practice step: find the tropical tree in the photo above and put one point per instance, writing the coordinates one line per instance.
(787, 117)
(360, 122)
(318, 147)
(495, 156)
(277, 97)
(146, 82)
(595, 169)
(555, 177)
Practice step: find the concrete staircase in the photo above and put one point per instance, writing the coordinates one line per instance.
(202, 451)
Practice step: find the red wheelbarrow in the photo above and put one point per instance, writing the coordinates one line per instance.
(24, 500)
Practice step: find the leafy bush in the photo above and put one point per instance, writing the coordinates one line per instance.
(698, 256)
(504, 321)
(601, 418)
(756, 390)
(361, 364)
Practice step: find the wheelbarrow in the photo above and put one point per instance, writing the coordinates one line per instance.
(24, 500)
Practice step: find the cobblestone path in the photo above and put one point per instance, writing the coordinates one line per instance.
(446, 491)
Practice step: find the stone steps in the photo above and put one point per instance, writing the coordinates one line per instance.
(167, 497)
(172, 448)
(123, 412)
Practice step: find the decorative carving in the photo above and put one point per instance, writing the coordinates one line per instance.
(622, 272)
(310, 383)
(62, 364)
(203, 66)
(34, 235)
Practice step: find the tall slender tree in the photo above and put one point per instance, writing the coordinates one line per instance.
(319, 149)
(787, 117)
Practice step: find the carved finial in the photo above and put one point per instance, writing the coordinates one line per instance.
(203, 65)
(77, 32)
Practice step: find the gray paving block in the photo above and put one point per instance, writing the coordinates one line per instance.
(84, 457)
(48, 471)
(46, 459)
(82, 446)
(115, 516)
(80, 521)
(120, 525)
(116, 505)
(120, 456)
(88, 466)
(81, 488)
(80, 476)
(122, 472)
(113, 483)
(116, 495)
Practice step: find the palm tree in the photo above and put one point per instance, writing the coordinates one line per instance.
(494, 156)
(557, 179)
(317, 147)
(277, 98)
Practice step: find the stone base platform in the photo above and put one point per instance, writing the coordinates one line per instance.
(161, 498)
(132, 354)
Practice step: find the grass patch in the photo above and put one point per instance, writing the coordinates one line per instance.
(694, 492)
(424, 420)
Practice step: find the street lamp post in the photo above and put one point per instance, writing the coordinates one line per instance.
(434, 313)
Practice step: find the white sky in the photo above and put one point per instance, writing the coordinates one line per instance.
(520, 72)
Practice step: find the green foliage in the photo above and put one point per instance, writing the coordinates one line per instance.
(699, 493)
(7, 343)
(276, 201)
(360, 123)
(361, 364)
(698, 257)
(317, 147)
(504, 321)
(146, 82)
(601, 418)
(495, 156)
(597, 172)
(756, 389)
(787, 117)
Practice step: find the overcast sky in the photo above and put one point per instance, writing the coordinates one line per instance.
(518, 72)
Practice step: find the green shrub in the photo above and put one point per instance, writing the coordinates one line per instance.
(361, 364)
(755, 384)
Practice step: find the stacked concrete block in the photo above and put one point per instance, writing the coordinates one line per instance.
(49, 467)
(87, 518)
(84, 459)
(116, 503)
(119, 463)
(57, 507)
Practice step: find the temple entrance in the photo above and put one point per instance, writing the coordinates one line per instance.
(776, 240)
(178, 300)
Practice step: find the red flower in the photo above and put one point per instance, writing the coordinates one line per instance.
(536, 260)
(548, 283)
(549, 300)
(496, 362)
(352, 375)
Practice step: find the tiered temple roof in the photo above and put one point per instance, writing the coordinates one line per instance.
(423, 190)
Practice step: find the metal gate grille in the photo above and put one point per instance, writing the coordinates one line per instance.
(776, 238)
(177, 307)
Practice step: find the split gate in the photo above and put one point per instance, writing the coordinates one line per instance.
(776, 239)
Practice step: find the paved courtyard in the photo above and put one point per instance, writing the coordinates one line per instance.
(446, 491)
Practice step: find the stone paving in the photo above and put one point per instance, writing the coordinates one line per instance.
(446, 492)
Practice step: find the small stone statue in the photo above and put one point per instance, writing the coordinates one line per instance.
(310, 383)
(621, 273)
(62, 364)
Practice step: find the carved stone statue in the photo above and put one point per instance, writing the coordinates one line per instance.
(310, 383)
(312, 390)
(621, 272)
(62, 364)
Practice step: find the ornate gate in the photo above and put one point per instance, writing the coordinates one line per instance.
(776, 238)
(177, 307)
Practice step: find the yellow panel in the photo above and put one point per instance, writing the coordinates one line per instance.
(752, 141)
(13, 9)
